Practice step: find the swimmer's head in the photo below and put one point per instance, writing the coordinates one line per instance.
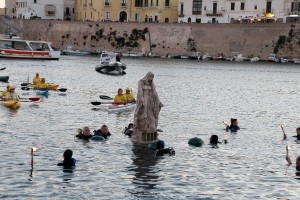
(160, 144)
(234, 122)
(214, 139)
(68, 153)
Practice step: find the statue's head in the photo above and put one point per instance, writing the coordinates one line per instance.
(149, 76)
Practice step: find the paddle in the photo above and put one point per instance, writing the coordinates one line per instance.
(59, 89)
(97, 103)
(62, 89)
(104, 97)
(3, 68)
(31, 99)
(284, 135)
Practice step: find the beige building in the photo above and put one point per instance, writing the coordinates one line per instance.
(10, 6)
(127, 10)
(2, 11)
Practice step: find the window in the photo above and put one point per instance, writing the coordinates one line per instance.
(91, 15)
(138, 3)
(156, 2)
(151, 3)
(198, 20)
(150, 19)
(137, 17)
(67, 11)
(34, 1)
(123, 2)
(181, 9)
(242, 5)
(255, 7)
(146, 3)
(156, 18)
(167, 3)
(232, 6)
(106, 3)
(197, 7)
(269, 7)
(107, 15)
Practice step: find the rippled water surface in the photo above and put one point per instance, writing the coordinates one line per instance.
(197, 97)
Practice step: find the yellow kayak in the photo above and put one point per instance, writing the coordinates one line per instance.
(13, 104)
(50, 86)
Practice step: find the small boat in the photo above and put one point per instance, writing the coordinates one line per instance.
(115, 108)
(27, 49)
(239, 58)
(254, 59)
(273, 58)
(74, 52)
(12, 104)
(4, 78)
(110, 64)
(44, 93)
(296, 60)
(30, 85)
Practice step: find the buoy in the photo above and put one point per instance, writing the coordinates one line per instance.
(197, 142)
(152, 146)
(97, 138)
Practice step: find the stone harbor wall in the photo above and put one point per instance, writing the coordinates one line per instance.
(161, 39)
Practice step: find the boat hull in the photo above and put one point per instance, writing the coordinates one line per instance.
(44, 93)
(4, 78)
(12, 104)
(114, 69)
(121, 108)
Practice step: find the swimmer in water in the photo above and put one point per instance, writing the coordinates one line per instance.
(161, 151)
(68, 162)
(85, 134)
(103, 132)
(233, 126)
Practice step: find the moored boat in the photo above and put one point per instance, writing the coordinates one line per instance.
(115, 108)
(27, 49)
(4, 78)
(74, 52)
(12, 104)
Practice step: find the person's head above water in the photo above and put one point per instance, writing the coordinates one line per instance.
(214, 139)
(68, 153)
(234, 122)
(104, 130)
(160, 144)
(298, 131)
(86, 131)
(130, 125)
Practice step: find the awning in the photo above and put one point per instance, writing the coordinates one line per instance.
(50, 8)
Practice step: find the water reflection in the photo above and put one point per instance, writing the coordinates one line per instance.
(145, 178)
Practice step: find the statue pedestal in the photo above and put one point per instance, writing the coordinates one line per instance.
(144, 138)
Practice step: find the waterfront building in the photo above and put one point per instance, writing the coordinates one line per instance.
(45, 9)
(10, 8)
(238, 11)
(127, 10)
(2, 11)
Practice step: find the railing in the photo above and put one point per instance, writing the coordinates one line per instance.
(151, 8)
(294, 13)
(214, 12)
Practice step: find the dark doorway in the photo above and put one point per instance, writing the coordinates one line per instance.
(123, 16)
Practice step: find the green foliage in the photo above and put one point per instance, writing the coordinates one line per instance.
(280, 43)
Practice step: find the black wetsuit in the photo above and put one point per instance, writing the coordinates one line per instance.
(99, 133)
(297, 136)
(128, 131)
(162, 152)
(232, 128)
(68, 163)
(81, 136)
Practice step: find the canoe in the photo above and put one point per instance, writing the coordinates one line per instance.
(114, 108)
(4, 78)
(50, 86)
(12, 104)
(43, 92)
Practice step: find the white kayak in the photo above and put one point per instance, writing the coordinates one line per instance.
(114, 108)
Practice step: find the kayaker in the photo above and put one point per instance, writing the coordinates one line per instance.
(120, 98)
(11, 95)
(161, 150)
(68, 162)
(85, 134)
(233, 126)
(129, 97)
(4, 93)
(36, 79)
(42, 85)
(103, 132)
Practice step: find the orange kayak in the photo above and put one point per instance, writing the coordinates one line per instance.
(13, 104)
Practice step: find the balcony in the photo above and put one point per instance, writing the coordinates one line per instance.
(294, 14)
(123, 5)
(214, 13)
(197, 12)
(180, 14)
(151, 8)
(107, 4)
